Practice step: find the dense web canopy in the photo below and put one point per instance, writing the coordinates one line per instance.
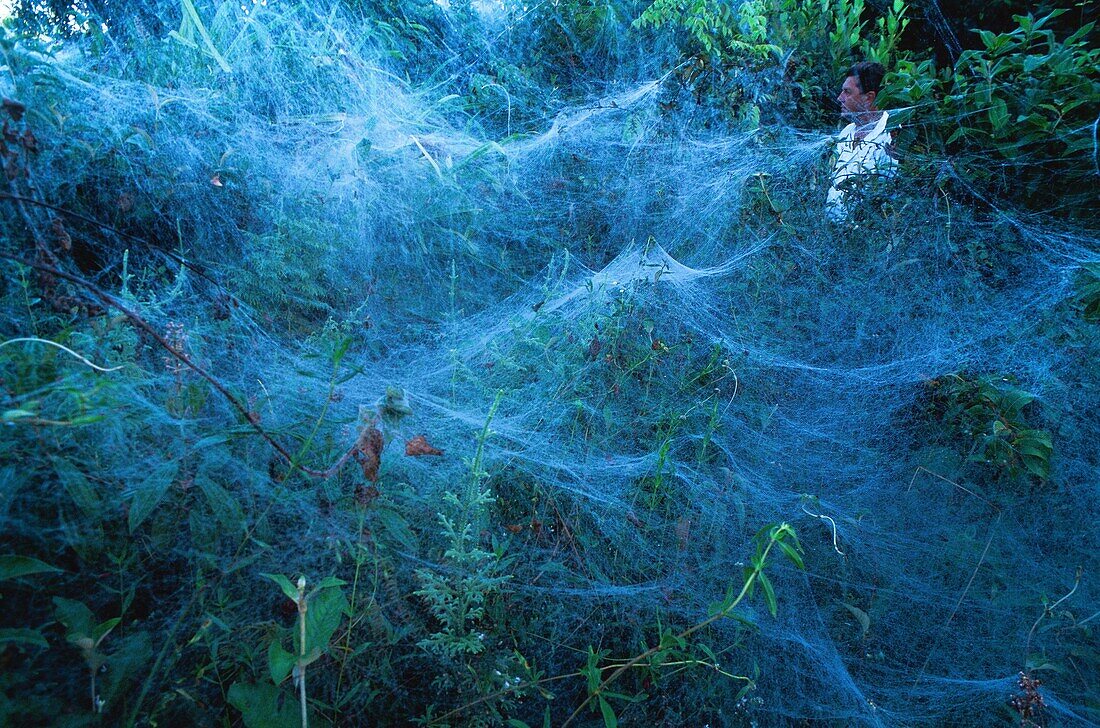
(526, 363)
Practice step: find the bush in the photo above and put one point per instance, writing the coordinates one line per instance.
(1016, 117)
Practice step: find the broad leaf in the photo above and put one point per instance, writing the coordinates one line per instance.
(280, 663)
(145, 497)
(263, 705)
(609, 718)
(322, 620)
(284, 584)
(22, 636)
(76, 617)
(13, 566)
(224, 506)
(77, 486)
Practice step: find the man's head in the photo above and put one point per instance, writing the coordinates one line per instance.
(860, 89)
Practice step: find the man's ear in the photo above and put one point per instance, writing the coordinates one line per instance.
(871, 96)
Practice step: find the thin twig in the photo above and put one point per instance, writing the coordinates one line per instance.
(1048, 611)
(145, 326)
(921, 468)
(75, 215)
(20, 200)
(969, 583)
(832, 523)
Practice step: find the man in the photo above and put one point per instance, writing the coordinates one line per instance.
(864, 149)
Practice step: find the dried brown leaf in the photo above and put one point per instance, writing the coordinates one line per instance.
(419, 445)
(61, 235)
(368, 451)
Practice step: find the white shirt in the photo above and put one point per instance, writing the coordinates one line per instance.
(856, 158)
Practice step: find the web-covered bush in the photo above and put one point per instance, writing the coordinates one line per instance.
(386, 363)
(1016, 115)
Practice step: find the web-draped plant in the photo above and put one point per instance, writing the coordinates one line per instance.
(470, 574)
(508, 325)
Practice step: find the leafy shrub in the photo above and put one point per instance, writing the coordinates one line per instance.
(986, 417)
(1017, 116)
(790, 53)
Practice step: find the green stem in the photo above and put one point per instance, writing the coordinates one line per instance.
(351, 606)
(482, 437)
(169, 643)
(686, 633)
(302, 607)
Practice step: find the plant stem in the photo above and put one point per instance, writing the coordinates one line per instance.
(169, 642)
(482, 437)
(302, 607)
(351, 606)
(686, 633)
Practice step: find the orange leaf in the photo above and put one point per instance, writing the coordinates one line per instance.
(216, 180)
(419, 446)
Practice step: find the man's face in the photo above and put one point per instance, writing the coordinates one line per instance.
(852, 99)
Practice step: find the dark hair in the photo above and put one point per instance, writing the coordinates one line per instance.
(869, 75)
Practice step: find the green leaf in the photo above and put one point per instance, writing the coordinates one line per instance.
(396, 528)
(263, 705)
(516, 723)
(609, 719)
(77, 486)
(23, 636)
(284, 584)
(280, 663)
(330, 581)
(76, 617)
(103, 629)
(13, 566)
(224, 506)
(769, 594)
(791, 553)
(1015, 400)
(998, 114)
(193, 15)
(323, 617)
(1037, 466)
(144, 498)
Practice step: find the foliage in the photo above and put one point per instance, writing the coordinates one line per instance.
(288, 290)
(715, 31)
(675, 650)
(987, 416)
(320, 612)
(85, 634)
(1016, 115)
(790, 54)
